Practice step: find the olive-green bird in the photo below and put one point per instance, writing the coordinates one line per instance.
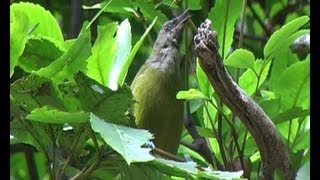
(155, 87)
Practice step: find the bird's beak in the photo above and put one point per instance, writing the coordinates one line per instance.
(180, 20)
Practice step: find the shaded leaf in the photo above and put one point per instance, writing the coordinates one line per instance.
(111, 106)
(48, 114)
(126, 141)
(203, 82)
(39, 52)
(289, 114)
(72, 61)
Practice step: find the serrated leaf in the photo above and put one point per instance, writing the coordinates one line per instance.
(19, 23)
(125, 68)
(44, 22)
(293, 85)
(48, 114)
(123, 47)
(240, 58)
(72, 61)
(217, 15)
(190, 94)
(248, 81)
(126, 141)
(103, 52)
(39, 52)
(107, 104)
(277, 38)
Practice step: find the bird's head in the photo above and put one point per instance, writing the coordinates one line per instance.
(170, 33)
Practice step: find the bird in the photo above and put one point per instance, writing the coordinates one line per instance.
(156, 84)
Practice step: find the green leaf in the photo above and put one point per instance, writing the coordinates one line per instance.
(48, 114)
(184, 169)
(41, 20)
(203, 82)
(123, 47)
(240, 58)
(109, 105)
(289, 114)
(39, 52)
(218, 17)
(277, 38)
(304, 172)
(149, 12)
(249, 81)
(125, 68)
(293, 85)
(19, 23)
(126, 141)
(115, 6)
(190, 94)
(72, 61)
(103, 52)
(302, 142)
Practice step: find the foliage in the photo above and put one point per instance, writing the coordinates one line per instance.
(70, 102)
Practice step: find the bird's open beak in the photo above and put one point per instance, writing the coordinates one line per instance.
(180, 20)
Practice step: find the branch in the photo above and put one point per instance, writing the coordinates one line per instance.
(274, 154)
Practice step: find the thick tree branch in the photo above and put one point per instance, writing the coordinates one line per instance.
(274, 154)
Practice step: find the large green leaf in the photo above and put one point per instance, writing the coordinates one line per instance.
(126, 64)
(126, 141)
(39, 52)
(240, 58)
(249, 80)
(47, 114)
(289, 114)
(111, 106)
(19, 23)
(41, 20)
(280, 36)
(218, 17)
(190, 94)
(203, 82)
(103, 52)
(293, 85)
(72, 61)
(149, 12)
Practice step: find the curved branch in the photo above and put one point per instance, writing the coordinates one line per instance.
(274, 154)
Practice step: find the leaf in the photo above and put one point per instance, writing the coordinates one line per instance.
(103, 52)
(289, 114)
(41, 20)
(184, 169)
(302, 142)
(125, 67)
(277, 38)
(304, 172)
(203, 82)
(115, 6)
(72, 61)
(126, 141)
(240, 58)
(217, 15)
(293, 85)
(191, 94)
(47, 114)
(39, 52)
(19, 23)
(109, 105)
(123, 47)
(248, 81)
(149, 12)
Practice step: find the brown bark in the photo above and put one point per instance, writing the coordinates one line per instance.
(273, 152)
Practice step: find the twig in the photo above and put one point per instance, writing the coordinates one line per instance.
(274, 154)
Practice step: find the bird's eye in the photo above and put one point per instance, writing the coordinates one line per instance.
(166, 28)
